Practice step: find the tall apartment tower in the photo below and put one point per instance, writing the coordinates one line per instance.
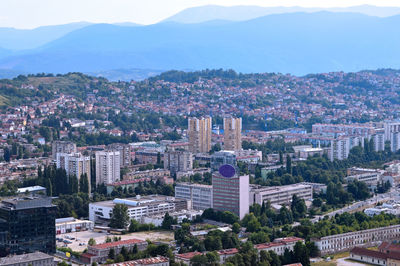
(230, 191)
(75, 164)
(232, 133)
(108, 167)
(199, 132)
(60, 146)
(178, 161)
(27, 224)
(124, 151)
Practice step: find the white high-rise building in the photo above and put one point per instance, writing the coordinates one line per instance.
(200, 195)
(390, 128)
(108, 167)
(395, 141)
(379, 140)
(74, 164)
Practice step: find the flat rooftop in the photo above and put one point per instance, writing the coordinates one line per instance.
(142, 201)
(24, 258)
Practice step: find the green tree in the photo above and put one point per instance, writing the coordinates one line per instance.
(91, 242)
(119, 217)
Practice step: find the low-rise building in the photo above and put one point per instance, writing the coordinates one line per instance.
(29, 259)
(367, 238)
(226, 254)
(279, 245)
(375, 257)
(71, 224)
(370, 179)
(178, 215)
(186, 257)
(155, 261)
(281, 195)
(99, 253)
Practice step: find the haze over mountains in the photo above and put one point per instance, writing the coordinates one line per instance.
(290, 42)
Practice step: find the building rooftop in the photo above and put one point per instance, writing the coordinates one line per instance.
(188, 256)
(147, 261)
(30, 189)
(193, 185)
(24, 258)
(19, 203)
(118, 243)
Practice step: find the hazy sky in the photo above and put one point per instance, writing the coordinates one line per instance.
(34, 13)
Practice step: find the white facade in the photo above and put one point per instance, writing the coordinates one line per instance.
(178, 161)
(108, 167)
(371, 237)
(371, 179)
(199, 195)
(390, 128)
(395, 141)
(281, 195)
(70, 224)
(74, 164)
(379, 141)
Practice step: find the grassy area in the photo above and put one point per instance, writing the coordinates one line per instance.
(332, 262)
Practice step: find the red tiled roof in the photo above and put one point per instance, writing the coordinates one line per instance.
(267, 245)
(188, 256)
(369, 253)
(146, 261)
(290, 239)
(294, 264)
(127, 182)
(118, 243)
(87, 255)
(228, 251)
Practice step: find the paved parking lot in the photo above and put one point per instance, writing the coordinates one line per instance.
(84, 236)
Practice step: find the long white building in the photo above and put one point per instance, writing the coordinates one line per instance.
(367, 238)
(108, 167)
(201, 196)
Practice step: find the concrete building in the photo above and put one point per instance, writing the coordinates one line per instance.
(363, 130)
(370, 179)
(199, 133)
(178, 161)
(108, 167)
(390, 128)
(281, 195)
(33, 190)
(29, 259)
(316, 187)
(99, 253)
(186, 257)
(75, 164)
(59, 146)
(395, 141)
(341, 146)
(232, 133)
(373, 257)
(279, 245)
(181, 215)
(155, 261)
(71, 224)
(124, 151)
(100, 212)
(200, 196)
(221, 158)
(379, 140)
(366, 238)
(230, 191)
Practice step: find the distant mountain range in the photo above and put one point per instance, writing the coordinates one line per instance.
(242, 13)
(297, 43)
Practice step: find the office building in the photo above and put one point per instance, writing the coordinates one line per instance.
(27, 224)
(108, 167)
(59, 146)
(137, 207)
(199, 195)
(232, 133)
(221, 158)
(280, 195)
(29, 259)
(178, 161)
(199, 133)
(230, 191)
(124, 151)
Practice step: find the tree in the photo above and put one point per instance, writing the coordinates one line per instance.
(91, 242)
(288, 164)
(111, 254)
(119, 217)
(300, 254)
(7, 154)
(84, 184)
(236, 228)
(298, 207)
(167, 222)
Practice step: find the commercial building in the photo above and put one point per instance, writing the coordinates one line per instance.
(181, 215)
(59, 146)
(280, 195)
(178, 161)
(155, 261)
(230, 191)
(99, 253)
(221, 158)
(124, 151)
(27, 224)
(108, 167)
(366, 238)
(29, 259)
(199, 133)
(137, 207)
(200, 196)
(232, 133)
(71, 224)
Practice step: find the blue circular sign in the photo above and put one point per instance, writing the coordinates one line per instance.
(227, 170)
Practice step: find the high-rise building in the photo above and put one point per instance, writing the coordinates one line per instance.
(108, 167)
(199, 132)
(220, 158)
(178, 161)
(75, 164)
(232, 133)
(230, 191)
(390, 128)
(27, 224)
(199, 195)
(124, 151)
(395, 141)
(379, 140)
(60, 146)
(341, 146)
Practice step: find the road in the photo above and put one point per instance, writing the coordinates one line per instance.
(344, 262)
(393, 194)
